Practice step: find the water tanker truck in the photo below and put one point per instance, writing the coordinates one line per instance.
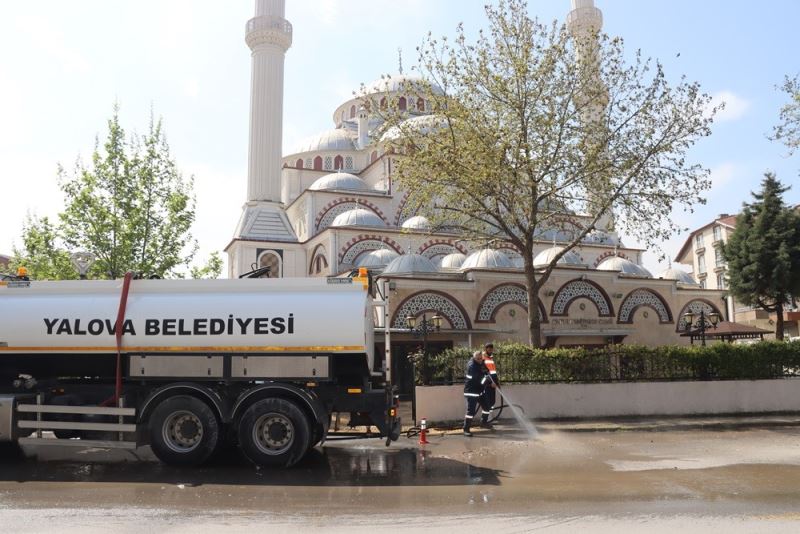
(189, 365)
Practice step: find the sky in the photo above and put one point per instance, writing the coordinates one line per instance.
(64, 64)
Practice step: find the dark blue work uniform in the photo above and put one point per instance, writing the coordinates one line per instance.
(473, 387)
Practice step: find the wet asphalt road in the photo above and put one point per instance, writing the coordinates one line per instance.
(727, 479)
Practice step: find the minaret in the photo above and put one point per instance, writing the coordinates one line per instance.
(263, 224)
(584, 23)
(269, 36)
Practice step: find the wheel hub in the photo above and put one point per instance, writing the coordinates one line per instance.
(182, 431)
(273, 433)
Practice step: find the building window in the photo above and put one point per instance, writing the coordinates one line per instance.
(318, 163)
(348, 163)
(308, 163)
(383, 103)
(719, 260)
(420, 104)
(720, 281)
(299, 163)
(328, 163)
(401, 103)
(717, 233)
(702, 284)
(352, 111)
(698, 242)
(373, 156)
(701, 263)
(273, 261)
(338, 162)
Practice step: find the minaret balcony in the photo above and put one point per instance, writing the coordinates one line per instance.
(268, 30)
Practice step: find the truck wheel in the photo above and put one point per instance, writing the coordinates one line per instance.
(65, 400)
(274, 433)
(183, 431)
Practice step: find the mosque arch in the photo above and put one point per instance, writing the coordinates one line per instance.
(352, 111)
(577, 289)
(363, 244)
(319, 260)
(318, 163)
(299, 163)
(420, 104)
(501, 295)
(432, 302)
(270, 258)
(338, 162)
(329, 212)
(647, 298)
(401, 103)
(695, 306)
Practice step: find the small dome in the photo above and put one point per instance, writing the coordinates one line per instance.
(547, 255)
(417, 222)
(486, 258)
(358, 217)
(624, 266)
(376, 259)
(451, 262)
(331, 140)
(339, 181)
(682, 277)
(517, 262)
(410, 264)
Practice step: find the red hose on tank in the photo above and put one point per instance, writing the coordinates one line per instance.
(123, 302)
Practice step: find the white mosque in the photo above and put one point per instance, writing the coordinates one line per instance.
(330, 205)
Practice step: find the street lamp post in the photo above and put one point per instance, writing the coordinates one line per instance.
(703, 323)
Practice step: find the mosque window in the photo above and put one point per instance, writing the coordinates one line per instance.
(383, 103)
(420, 104)
(338, 162)
(401, 104)
(352, 111)
(273, 261)
(318, 163)
(348, 163)
(328, 163)
(373, 156)
(308, 163)
(299, 163)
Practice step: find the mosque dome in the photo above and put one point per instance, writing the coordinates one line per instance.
(547, 255)
(421, 124)
(410, 264)
(400, 83)
(417, 222)
(339, 181)
(451, 262)
(376, 259)
(486, 258)
(601, 238)
(358, 217)
(332, 140)
(682, 277)
(624, 266)
(517, 262)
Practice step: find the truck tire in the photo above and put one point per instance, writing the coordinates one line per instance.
(274, 433)
(65, 400)
(183, 431)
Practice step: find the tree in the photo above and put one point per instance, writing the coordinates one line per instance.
(538, 132)
(43, 253)
(130, 207)
(212, 268)
(763, 252)
(788, 130)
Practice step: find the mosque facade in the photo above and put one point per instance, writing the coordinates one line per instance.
(330, 205)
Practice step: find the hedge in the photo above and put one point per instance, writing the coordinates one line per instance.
(518, 363)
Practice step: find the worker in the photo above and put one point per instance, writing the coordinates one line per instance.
(473, 388)
(490, 385)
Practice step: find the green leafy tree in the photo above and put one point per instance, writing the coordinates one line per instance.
(130, 207)
(763, 252)
(538, 132)
(43, 253)
(211, 269)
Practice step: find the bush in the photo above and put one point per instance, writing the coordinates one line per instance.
(720, 361)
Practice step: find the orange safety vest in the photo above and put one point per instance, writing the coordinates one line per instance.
(489, 363)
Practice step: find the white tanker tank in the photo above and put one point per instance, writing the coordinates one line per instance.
(221, 352)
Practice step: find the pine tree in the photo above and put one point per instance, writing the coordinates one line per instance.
(763, 253)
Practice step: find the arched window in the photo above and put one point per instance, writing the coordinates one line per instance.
(272, 260)
(338, 162)
(299, 163)
(373, 156)
(352, 111)
(318, 163)
(420, 104)
(401, 104)
(383, 103)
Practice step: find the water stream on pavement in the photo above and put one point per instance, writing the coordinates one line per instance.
(523, 421)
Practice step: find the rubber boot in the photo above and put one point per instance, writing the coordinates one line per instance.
(467, 423)
(485, 422)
